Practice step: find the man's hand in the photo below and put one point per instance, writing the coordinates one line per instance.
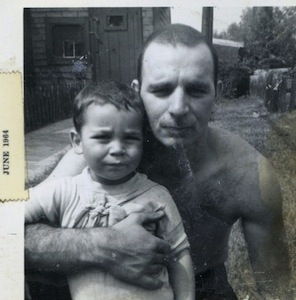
(138, 256)
(126, 250)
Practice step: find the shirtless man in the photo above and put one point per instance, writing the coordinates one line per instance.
(214, 176)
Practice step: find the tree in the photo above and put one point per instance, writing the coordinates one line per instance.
(285, 37)
(233, 32)
(269, 35)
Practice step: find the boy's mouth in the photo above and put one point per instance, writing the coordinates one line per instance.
(116, 164)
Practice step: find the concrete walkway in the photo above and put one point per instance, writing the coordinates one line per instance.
(45, 145)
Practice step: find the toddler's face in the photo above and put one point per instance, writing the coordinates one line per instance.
(111, 141)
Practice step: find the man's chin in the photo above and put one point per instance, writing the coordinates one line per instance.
(170, 141)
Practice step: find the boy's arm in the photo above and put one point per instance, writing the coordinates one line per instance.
(180, 266)
(71, 164)
(42, 205)
(181, 275)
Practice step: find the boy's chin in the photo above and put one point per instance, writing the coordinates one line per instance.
(113, 180)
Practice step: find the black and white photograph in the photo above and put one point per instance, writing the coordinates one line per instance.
(160, 152)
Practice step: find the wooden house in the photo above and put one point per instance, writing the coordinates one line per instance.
(89, 43)
(65, 48)
(229, 51)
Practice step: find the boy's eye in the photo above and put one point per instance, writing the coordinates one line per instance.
(102, 137)
(133, 138)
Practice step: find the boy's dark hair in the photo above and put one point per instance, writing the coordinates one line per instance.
(175, 34)
(118, 94)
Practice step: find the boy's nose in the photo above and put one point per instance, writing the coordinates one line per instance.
(117, 148)
(178, 104)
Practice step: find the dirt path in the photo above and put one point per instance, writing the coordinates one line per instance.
(274, 135)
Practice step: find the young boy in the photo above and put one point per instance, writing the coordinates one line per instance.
(108, 119)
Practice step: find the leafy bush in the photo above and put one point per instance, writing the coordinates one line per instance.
(235, 78)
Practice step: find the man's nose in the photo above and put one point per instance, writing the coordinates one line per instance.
(178, 103)
(117, 148)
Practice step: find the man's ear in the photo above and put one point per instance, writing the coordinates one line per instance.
(135, 85)
(219, 91)
(76, 141)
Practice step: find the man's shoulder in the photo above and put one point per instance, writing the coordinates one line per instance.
(236, 162)
(227, 138)
(232, 148)
(245, 172)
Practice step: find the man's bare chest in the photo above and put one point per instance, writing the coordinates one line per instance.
(205, 198)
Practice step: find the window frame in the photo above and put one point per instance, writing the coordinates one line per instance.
(50, 23)
(122, 27)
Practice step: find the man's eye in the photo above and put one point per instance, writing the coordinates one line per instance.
(196, 92)
(162, 92)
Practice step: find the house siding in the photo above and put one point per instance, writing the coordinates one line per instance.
(51, 85)
(41, 66)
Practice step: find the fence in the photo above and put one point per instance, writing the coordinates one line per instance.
(45, 104)
(276, 87)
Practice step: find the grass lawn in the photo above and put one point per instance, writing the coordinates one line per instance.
(274, 135)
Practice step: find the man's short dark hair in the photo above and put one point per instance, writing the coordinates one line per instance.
(175, 34)
(118, 94)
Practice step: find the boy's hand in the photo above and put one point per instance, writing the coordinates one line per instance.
(139, 256)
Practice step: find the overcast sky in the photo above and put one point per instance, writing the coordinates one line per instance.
(223, 16)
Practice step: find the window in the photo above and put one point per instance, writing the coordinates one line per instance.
(115, 21)
(67, 39)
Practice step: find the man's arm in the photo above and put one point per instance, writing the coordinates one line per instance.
(133, 258)
(264, 233)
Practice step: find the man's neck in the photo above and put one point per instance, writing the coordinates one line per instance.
(177, 161)
(195, 153)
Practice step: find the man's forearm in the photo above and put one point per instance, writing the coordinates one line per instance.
(270, 262)
(272, 272)
(134, 258)
(55, 249)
